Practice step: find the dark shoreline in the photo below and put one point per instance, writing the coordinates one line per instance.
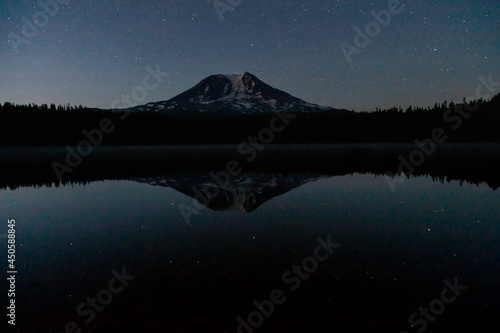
(473, 163)
(41, 126)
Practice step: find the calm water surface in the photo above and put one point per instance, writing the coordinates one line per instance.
(396, 249)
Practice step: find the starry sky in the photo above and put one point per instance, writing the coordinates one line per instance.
(91, 52)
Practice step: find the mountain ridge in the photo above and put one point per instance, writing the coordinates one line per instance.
(242, 93)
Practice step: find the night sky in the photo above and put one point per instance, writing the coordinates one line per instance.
(92, 52)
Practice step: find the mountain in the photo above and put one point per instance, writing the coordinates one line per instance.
(225, 94)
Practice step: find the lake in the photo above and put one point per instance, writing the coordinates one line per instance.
(322, 238)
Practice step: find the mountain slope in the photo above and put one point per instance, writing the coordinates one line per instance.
(229, 94)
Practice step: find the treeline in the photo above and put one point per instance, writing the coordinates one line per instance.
(44, 125)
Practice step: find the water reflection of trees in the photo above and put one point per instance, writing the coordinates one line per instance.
(468, 164)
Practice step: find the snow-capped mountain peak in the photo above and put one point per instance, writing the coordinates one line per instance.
(232, 93)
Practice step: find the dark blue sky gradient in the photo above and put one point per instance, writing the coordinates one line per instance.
(92, 52)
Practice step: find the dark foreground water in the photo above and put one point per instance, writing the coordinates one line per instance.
(127, 249)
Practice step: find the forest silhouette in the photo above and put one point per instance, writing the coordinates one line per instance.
(44, 125)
